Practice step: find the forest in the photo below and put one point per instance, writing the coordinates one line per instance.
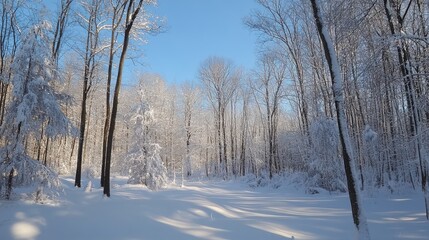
(338, 101)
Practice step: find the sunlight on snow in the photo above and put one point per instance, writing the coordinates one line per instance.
(216, 208)
(400, 200)
(281, 230)
(310, 211)
(26, 228)
(401, 219)
(199, 213)
(193, 229)
(24, 231)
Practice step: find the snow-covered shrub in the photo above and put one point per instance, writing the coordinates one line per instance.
(40, 181)
(325, 168)
(370, 150)
(254, 181)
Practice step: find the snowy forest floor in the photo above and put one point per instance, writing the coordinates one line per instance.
(208, 210)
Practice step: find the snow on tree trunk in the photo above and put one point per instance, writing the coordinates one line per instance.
(359, 218)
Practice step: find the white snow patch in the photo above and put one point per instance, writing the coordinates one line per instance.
(208, 210)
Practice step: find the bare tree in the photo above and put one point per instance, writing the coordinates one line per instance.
(132, 12)
(396, 13)
(117, 11)
(60, 28)
(270, 87)
(9, 36)
(280, 24)
(190, 98)
(244, 144)
(220, 80)
(347, 151)
(92, 28)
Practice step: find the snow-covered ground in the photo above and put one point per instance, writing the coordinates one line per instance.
(208, 210)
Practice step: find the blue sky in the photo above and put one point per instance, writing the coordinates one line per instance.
(196, 30)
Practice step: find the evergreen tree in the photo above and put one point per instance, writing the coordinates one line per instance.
(144, 161)
(36, 105)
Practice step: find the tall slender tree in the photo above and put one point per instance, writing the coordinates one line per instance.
(117, 12)
(220, 79)
(92, 29)
(280, 24)
(9, 37)
(190, 97)
(270, 82)
(60, 28)
(347, 151)
(133, 10)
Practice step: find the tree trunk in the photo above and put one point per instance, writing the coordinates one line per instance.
(225, 157)
(130, 17)
(82, 127)
(117, 13)
(45, 157)
(60, 27)
(219, 137)
(403, 58)
(71, 152)
(92, 42)
(77, 181)
(3, 97)
(347, 151)
(9, 184)
(232, 139)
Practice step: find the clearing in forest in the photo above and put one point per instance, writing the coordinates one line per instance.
(208, 210)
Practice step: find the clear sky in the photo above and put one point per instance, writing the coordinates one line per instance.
(196, 30)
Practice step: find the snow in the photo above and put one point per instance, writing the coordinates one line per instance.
(208, 210)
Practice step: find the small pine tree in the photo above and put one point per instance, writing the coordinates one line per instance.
(156, 172)
(145, 164)
(36, 105)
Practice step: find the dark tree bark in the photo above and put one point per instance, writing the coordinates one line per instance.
(132, 12)
(9, 184)
(89, 69)
(403, 56)
(118, 11)
(347, 152)
(60, 28)
(82, 127)
(395, 10)
(8, 45)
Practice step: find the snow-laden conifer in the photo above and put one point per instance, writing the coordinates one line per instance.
(35, 111)
(144, 162)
